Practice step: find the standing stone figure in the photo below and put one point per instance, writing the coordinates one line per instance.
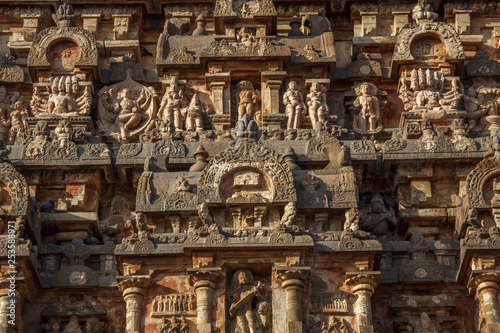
(367, 120)
(316, 101)
(194, 115)
(172, 104)
(18, 116)
(246, 98)
(295, 106)
(244, 291)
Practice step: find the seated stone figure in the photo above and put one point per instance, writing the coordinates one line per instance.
(376, 218)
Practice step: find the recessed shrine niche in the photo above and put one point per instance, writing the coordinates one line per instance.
(248, 193)
(63, 55)
(428, 48)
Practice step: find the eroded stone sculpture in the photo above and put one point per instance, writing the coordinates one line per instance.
(66, 98)
(294, 104)
(246, 98)
(317, 106)
(424, 325)
(376, 218)
(125, 109)
(367, 119)
(173, 104)
(246, 317)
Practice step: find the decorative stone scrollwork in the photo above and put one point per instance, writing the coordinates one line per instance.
(248, 154)
(244, 8)
(487, 169)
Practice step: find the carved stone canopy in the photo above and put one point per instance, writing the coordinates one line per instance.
(63, 49)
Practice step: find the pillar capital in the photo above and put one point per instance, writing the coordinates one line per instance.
(484, 280)
(363, 280)
(199, 276)
(293, 276)
(136, 284)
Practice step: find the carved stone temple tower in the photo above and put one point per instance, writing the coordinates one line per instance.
(249, 166)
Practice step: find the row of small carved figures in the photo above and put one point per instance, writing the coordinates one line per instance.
(177, 303)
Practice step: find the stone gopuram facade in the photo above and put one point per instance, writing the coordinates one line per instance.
(249, 166)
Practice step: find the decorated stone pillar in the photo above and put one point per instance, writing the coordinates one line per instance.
(363, 287)
(487, 286)
(203, 280)
(293, 280)
(271, 99)
(133, 289)
(220, 89)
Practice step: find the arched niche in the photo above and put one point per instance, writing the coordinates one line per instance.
(431, 31)
(78, 45)
(428, 47)
(14, 191)
(479, 180)
(243, 159)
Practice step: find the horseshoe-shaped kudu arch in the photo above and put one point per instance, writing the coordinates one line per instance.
(249, 166)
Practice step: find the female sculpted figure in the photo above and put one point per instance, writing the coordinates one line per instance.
(295, 106)
(316, 101)
(244, 291)
(129, 113)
